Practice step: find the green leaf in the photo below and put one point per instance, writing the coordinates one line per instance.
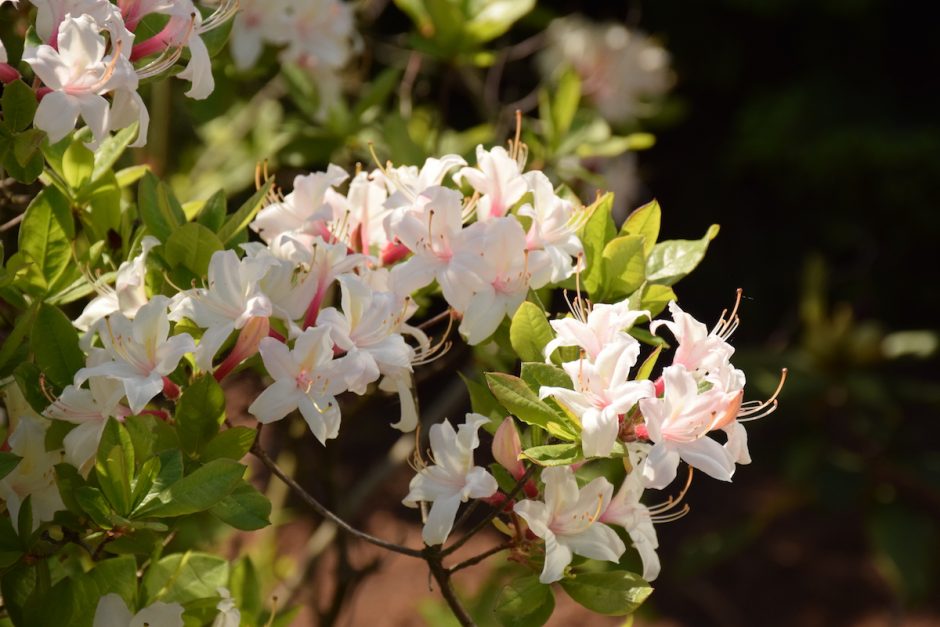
(56, 432)
(530, 332)
(483, 402)
(130, 175)
(114, 466)
(74, 600)
(95, 505)
(246, 590)
(18, 104)
(45, 240)
(646, 369)
(28, 378)
(565, 105)
(78, 163)
(200, 412)
(654, 298)
(495, 18)
(239, 220)
(525, 602)
(377, 90)
(68, 480)
(523, 403)
(14, 340)
(644, 221)
(555, 454)
(196, 492)
(245, 508)
(55, 345)
(212, 214)
(624, 266)
(8, 461)
(596, 232)
(232, 443)
(26, 147)
(24, 519)
(159, 210)
(673, 259)
(191, 246)
(185, 577)
(612, 593)
(111, 150)
(537, 374)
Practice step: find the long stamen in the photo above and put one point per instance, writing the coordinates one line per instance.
(672, 501)
(749, 411)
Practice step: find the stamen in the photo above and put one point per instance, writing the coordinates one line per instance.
(672, 502)
(750, 411)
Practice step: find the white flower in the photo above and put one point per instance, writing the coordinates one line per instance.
(569, 521)
(129, 293)
(257, 22)
(89, 409)
(299, 206)
(453, 479)
(34, 475)
(498, 178)
(358, 217)
(78, 74)
(143, 353)
(232, 298)
(305, 378)
(112, 611)
(229, 615)
(552, 239)
(491, 263)
(602, 393)
(699, 350)
(626, 511)
(405, 183)
(678, 423)
(604, 324)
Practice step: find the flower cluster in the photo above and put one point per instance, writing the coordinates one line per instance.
(620, 69)
(654, 425)
(90, 58)
(318, 36)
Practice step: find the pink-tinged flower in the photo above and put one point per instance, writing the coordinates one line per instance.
(34, 475)
(300, 206)
(405, 183)
(357, 219)
(51, 13)
(112, 611)
(603, 325)
(453, 479)
(256, 23)
(602, 393)
(127, 296)
(89, 409)
(699, 350)
(305, 378)
(8, 73)
(498, 179)
(143, 354)
(494, 255)
(678, 423)
(78, 73)
(569, 521)
(552, 239)
(232, 298)
(432, 229)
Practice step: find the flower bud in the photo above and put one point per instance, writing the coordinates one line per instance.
(507, 447)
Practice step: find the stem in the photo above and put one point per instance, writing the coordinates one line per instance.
(433, 555)
(262, 455)
(493, 513)
(479, 558)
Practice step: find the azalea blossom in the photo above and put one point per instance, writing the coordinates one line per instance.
(89, 409)
(498, 179)
(405, 183)
(112, 611)
(677, 425)
(127, 296)
(78, 73)
(256, 23)
(699, 350)
(305, 378)
(552, 239)
(602, 393)
(452, 479)
(300, 206)
(604, 324)
(625, 510)
(229, 614)
(357, 218)
(232, 297)
(142, 352)
(569, 521)
(34, 475)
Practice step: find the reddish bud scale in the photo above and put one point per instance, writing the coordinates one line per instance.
(170, 390)
(8, 73)
(393, 252)
(499, 500)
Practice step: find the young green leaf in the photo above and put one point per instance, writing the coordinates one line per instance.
(232, 443)
(239, 220)
(523, 403)
(18, 104)
(199, 414)
(624, 266)
(245, 508)
(191, 246)
(54, 342)
(555, 454)
(671, 260)
(525, 602)
(114, 466)
(185, 577)
(596, 232)
(529, 332)
(537, 374)
(159, 209)
(196, 492)
(613, 593)
(644, 221)
(78, 163)
(44, 239)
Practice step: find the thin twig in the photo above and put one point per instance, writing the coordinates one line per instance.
(479, 558)
(262, 455)
(433, 555)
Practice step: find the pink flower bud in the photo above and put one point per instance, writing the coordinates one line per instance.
(507, 447)
(255, 329)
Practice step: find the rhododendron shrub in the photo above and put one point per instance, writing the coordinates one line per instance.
(130, 310)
